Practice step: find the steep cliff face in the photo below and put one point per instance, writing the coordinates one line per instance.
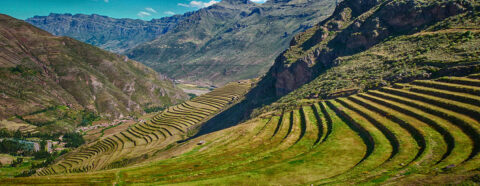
(116, 35)
(355, 26)
(40, 71)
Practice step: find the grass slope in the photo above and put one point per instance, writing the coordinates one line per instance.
(142, 141)
(404, 134)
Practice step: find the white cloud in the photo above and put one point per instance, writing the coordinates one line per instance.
(198, 4)
(183, 4)
(143, 14)
(151, 10)
(259, 1)
(169, 13)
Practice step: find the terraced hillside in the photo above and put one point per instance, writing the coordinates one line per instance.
(427, 131)
(387, 135)
(145, 139)
(366, 45)
(375, 43)
(401, 108)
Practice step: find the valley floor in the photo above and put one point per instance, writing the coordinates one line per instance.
(195, 90)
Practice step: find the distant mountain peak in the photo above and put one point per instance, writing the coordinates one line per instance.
(277, 1)
(236, 2)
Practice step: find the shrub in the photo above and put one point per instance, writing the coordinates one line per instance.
(10, 147)
(192, 95)
(41, 154)
(17, 162)
(73, 140)
(27, 173)
(154, 109)
(88, 118)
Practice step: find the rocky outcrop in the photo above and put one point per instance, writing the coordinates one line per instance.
(355, 26)
(288, 79)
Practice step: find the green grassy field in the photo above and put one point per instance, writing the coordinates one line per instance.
(423, 132)
(7, 171)
(143, 141)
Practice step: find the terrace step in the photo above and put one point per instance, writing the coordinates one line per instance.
(435, 142)
(461, 81)
(449, 86)
(405, 147)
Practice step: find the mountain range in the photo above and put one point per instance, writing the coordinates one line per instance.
(231, 40)
(115, 35)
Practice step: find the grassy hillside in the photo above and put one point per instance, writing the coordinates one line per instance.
(423, 132)
(143, 141)
(382, 92)
(58, 82)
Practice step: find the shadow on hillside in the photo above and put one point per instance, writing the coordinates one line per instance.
(264, 92)
(260, 95)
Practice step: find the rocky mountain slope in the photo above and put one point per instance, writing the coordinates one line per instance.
(116, 35)
(231, 40)
(42, 76)
(366, 45)
(369, 44)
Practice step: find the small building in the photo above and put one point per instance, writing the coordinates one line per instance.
(36, 147)
(49, 146)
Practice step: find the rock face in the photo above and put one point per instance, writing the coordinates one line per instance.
(116, 35)
(40, 71)
(231, 40)
(288, 78)
(355, 26)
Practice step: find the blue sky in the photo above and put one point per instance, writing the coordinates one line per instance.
(136, 9)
